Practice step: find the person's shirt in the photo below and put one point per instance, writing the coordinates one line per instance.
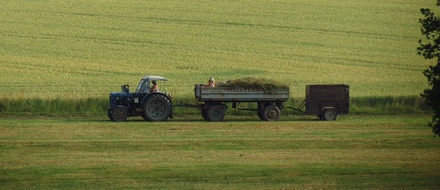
(154, 88)
(211, 84)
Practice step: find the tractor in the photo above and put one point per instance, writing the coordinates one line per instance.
(152, 105)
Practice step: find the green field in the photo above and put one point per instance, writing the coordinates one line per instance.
(242, 153)
(81, 49)
(59, 59)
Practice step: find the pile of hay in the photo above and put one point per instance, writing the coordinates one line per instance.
(266, 85)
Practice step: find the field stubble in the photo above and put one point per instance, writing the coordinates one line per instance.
(353, 152)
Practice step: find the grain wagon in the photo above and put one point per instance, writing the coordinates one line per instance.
(212, 101)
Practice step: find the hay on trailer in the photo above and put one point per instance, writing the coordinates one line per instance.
(266, 85)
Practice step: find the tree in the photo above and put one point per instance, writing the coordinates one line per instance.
(430, 49)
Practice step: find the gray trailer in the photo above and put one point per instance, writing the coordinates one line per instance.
(212, 101)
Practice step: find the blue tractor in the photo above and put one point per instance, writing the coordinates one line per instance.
(147, 101)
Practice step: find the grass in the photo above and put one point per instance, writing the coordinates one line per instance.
(54, 107)
(60, 59)
(81, 49)
(297, 152)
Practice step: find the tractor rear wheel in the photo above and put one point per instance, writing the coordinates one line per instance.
(157, 107)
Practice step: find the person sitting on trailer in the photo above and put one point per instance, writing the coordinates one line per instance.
(154, 88)
(211, 82)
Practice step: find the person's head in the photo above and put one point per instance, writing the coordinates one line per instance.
(154, 82)
(211, 80)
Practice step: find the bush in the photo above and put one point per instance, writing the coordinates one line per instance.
(54, 106)
(388, 105)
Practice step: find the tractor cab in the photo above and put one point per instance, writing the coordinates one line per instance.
(147, 82)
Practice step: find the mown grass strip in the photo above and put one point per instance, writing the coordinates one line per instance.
(354, 152)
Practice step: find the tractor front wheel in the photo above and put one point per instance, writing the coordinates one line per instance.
(118, 114)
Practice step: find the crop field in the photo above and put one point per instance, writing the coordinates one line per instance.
(59, 59)
(81, 49)
(242, 153)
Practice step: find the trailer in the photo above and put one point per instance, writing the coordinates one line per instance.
(326, 101)
(212, 101)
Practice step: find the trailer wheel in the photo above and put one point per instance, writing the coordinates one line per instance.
(330, 114)
(215, 113)
(271, 113)
(261, 107)
(157, 107)
(204, 113)
(118, 114)
(260, 114)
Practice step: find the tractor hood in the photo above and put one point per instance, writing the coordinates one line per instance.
(118, 94)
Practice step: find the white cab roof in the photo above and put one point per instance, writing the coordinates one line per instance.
(151, 77)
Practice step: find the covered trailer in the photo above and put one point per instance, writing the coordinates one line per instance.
(327, 101)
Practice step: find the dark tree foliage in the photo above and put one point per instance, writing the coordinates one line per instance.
(430, 49)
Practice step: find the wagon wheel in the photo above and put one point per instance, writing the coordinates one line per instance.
(271, 113)
(118, 114)
(261, 107)
(157, 108)
(215, 113)
(260, 114)
(330, 114)
(204, 113)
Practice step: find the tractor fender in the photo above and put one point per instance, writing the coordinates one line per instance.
(149, 94)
